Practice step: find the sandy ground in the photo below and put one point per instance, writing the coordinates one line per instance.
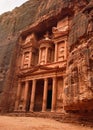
(30, 123)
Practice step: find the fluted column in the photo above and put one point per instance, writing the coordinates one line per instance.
(56, 52)
(45, 95)
(18, 96)
(54, 94)
(33, 95)
(25, 95)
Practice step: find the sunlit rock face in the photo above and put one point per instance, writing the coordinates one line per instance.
(79, 78)
(70, 19)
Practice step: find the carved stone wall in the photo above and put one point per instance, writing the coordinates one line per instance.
(79, 75)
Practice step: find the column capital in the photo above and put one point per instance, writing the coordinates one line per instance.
(54, 77)
(26, 81)
(34, 80)
(19, 81)
(45, 79)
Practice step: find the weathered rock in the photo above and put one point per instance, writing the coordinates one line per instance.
(79, 83)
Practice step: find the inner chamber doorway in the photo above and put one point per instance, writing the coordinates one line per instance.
(49, 95)
(39, 95)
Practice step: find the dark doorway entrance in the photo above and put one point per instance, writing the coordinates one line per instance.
(49, 95)
(39, 95)
(29, 96)
(49, 99)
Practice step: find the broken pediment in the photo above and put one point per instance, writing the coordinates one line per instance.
(29, 40)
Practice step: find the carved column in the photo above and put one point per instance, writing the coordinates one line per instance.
(45, 95)
(54, 94)
(46, 55)
(18, 96)
(33, 95)
(56, 52)
(25, 95)
(39, 55)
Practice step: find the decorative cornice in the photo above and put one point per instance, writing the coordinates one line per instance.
(41, 67)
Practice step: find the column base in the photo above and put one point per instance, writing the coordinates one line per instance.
(43, 111)
(31, 111)
(53, 110)
(15, 110)
(19, 110)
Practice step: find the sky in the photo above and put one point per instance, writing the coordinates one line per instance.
(8, 5)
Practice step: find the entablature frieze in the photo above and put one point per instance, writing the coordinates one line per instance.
(42, 71)
(49, 66)
(42, 76)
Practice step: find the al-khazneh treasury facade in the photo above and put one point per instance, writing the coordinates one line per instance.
(41, 69)
(55, 63)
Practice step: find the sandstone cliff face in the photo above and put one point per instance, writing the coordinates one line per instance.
(11, 23)
(33, 13)
(79, 80)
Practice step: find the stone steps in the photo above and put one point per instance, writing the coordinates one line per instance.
(61, 117)
(38, 114)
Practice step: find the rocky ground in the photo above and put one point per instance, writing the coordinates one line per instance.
(32, 123)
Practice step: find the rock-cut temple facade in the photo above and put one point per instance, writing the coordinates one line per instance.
(55, 64)
(41, 69)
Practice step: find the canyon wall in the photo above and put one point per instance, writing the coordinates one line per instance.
(11, 24)
(79, 78)
(35, 14)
